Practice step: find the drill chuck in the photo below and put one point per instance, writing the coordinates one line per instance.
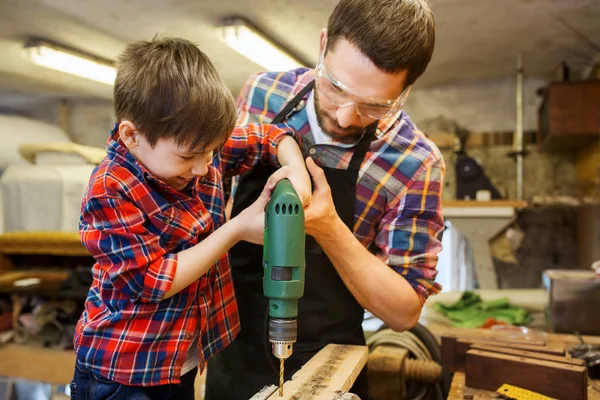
(282, 335)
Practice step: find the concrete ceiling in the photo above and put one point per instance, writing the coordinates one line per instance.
(476, 40)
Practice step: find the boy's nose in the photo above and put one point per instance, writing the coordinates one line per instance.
(200, 169)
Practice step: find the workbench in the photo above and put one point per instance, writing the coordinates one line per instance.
(458, 390)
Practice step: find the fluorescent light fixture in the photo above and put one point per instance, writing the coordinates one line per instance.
(66, 60)
(246, 40)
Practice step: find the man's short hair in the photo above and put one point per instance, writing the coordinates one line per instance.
(396, 35)
(171, 90)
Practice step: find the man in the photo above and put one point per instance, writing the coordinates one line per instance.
(374, 223)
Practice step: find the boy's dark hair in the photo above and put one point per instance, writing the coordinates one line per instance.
(171, 90)
(394, 34)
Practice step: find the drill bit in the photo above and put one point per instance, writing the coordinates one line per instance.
(281, 377)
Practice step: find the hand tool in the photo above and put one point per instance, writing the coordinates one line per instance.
(283, 266)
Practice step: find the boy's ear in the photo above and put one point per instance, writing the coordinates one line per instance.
(129, 135)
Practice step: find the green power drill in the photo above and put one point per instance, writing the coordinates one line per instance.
(284, 264)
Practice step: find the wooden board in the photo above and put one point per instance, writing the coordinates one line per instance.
(489, 371)
(554, 340)
(37, 364)
(48, 243)
(331, 370)
(528, 354)
(454, 350)
(492, 203)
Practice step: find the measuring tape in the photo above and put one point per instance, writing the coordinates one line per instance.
(520, 394)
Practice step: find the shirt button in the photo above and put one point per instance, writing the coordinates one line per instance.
(312, 151)
(188, 336)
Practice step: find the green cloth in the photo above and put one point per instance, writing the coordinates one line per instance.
(471, 312)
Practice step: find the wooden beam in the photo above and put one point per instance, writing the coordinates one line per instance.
(331, 370)
(528, 354)
(47, 243)
(489, 371)
(448, 141)
(454, 350)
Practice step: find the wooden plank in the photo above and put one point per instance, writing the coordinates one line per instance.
(489, 371)
(492, 203)
(448, 350)
(529, 354)
(454, 350)
(331, 370)
(48, 243)
(37, 364)
(458, 390)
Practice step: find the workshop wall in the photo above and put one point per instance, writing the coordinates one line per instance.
(478, 107)
(544, 174)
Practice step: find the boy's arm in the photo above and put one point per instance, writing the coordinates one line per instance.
(249, 145)
(249, 225)
(113, 230)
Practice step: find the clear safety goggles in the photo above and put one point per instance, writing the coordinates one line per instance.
(344, 96)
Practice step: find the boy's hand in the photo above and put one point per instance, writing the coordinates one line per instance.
(251, 221)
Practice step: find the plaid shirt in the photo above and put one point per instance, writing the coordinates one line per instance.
(399, 189)
(134, 225)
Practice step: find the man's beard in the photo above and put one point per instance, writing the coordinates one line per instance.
(347, 135)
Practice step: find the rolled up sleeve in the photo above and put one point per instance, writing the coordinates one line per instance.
(113, 230)
(249, 145)
(409, 238)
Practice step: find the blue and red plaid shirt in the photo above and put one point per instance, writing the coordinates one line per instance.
(398, 204)
(134, 225)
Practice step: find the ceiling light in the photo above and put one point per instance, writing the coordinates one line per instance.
(244, 39)
(72, 62)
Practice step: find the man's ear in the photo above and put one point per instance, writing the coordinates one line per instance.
(322, 40)
(129, 135)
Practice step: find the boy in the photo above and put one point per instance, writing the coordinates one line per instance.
(162, 302)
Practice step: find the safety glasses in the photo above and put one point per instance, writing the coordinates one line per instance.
(344, 96)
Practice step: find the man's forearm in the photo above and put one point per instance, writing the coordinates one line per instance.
(376, 286)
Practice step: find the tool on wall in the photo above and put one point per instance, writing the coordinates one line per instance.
(284, 265)
(470, 176)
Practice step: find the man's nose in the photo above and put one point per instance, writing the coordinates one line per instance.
(347, 116)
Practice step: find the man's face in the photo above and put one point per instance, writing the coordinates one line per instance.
(172, 164)
(349, 66)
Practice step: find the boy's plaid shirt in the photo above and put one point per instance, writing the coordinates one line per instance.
(399, 189)
(134, 225)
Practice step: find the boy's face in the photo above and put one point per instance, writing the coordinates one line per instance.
(166, 160)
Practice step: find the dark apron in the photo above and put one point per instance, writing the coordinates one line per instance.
(327, 313)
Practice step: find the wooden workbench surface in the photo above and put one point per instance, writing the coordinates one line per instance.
(458, 390)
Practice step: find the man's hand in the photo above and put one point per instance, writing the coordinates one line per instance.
(320, 213)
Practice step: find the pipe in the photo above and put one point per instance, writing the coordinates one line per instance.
(518, 137)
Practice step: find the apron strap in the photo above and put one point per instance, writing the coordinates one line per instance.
(362, 147)
(363, 144)
(291, 106)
